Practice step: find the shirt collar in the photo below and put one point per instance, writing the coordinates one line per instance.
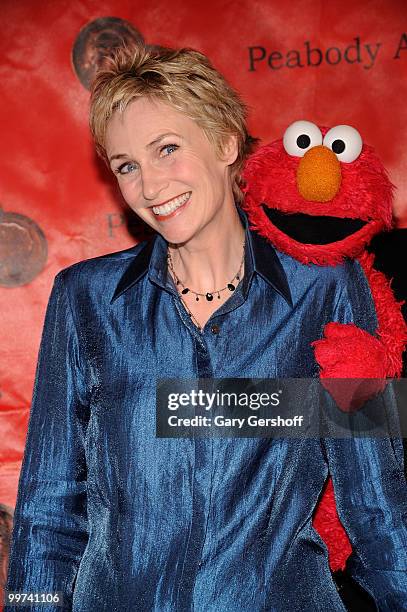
(260, 258)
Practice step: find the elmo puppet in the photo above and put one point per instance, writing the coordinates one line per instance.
(320, 195)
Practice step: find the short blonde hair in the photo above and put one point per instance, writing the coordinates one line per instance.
(183, 78)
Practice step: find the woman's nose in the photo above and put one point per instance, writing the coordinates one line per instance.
(153, 182)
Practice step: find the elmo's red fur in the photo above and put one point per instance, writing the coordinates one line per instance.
(345, 351)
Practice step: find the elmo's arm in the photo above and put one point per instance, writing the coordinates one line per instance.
(348, 351)
(392, 329)
(350, 347)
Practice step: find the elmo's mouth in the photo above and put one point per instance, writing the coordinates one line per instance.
(308, 229)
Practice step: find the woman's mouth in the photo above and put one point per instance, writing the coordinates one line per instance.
(168, 209)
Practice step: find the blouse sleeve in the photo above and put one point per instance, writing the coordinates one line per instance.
(371, 496)
(50, 521)
(369, 482)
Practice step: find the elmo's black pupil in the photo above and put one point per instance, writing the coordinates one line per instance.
(338, 146)
(303, 141)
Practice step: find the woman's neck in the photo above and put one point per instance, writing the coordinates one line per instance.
(210, 261)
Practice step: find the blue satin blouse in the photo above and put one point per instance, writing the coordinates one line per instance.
(120, 521)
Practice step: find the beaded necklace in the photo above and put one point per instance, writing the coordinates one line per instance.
(210, 294)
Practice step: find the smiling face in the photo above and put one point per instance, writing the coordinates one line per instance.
(168, 170)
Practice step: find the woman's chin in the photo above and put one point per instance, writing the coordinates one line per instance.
(177, 232)
(177, 237)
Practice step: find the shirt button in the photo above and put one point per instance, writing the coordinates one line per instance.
(215, 329)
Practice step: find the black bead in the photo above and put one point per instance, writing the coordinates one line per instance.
(218, 296)
(231, 287)
(237, 277)
(184, 291)
(209, 297)
(197, 298)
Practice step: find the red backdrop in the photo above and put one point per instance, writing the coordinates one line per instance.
(328, 62)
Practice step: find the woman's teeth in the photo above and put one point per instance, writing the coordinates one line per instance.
(169, 207)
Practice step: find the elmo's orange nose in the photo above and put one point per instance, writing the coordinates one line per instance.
(319, 175)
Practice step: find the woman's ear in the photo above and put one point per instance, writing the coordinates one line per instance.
(229, 149)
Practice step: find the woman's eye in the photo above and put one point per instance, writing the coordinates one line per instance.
(125, 168)
(168, 149)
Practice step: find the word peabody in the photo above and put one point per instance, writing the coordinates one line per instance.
(222, 421)
(207, 400)
(310, 55)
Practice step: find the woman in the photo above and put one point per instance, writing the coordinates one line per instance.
(134, 522)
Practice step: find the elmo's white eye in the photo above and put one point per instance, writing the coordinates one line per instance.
(301, 136)
(345, 142)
